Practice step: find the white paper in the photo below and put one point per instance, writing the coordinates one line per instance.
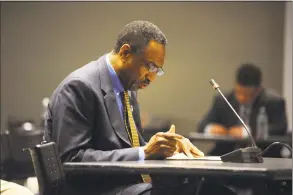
(181, 156)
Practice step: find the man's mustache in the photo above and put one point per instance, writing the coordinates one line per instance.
(146, 82)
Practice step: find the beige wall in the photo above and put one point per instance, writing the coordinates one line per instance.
(42, 42)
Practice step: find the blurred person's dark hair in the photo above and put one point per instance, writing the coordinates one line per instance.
(249, 75)
(138, 34)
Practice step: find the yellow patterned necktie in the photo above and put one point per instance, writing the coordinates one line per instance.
(132, 134)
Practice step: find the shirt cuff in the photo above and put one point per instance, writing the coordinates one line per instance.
(141, 154)
(244, 132)
(207, 129)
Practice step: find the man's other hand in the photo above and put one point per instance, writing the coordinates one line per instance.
(184, 145)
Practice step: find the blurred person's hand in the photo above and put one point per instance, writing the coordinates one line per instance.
(236, 131)
(216, 129)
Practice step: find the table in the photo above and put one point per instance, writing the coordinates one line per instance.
(273, 172)
(194, 136)
(272, 168)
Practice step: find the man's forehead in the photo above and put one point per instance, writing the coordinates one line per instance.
(245, 88)
(155, 53)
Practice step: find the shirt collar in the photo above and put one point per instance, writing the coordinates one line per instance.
(117, 85)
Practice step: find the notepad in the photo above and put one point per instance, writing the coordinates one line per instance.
(181, 156)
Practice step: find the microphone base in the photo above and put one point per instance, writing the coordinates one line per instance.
(243, 155)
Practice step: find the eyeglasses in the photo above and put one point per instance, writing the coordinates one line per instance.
(154, 68)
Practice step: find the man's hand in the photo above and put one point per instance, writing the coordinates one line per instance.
(216, 129)
(184, 145)
(236, 131)
(162, 145)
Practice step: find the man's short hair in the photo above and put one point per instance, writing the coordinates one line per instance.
(138, 34)
(249, 75)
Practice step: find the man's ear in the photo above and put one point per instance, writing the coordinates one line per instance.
(125, 51)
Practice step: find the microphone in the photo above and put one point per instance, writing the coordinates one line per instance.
(242, 155)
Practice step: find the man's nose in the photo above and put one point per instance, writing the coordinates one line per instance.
(151, 76)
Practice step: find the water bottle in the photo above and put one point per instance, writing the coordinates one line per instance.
(262, 124)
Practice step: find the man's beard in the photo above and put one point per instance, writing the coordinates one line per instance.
(134, 87)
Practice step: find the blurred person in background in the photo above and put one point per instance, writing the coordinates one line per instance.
(261, 109)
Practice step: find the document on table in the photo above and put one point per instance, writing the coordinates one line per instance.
(181, 156)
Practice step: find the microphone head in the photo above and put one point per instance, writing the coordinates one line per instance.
(214, 84)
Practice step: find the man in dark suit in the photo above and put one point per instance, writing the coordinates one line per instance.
(249, 98)
(93, 115)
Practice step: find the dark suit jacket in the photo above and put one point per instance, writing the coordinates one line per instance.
(83, 119)
(221, 113)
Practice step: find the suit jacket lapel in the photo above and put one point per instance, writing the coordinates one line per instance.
(111, 103)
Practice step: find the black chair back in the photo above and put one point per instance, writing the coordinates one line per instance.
(20, 165)
(48, 169)
(5, 155)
